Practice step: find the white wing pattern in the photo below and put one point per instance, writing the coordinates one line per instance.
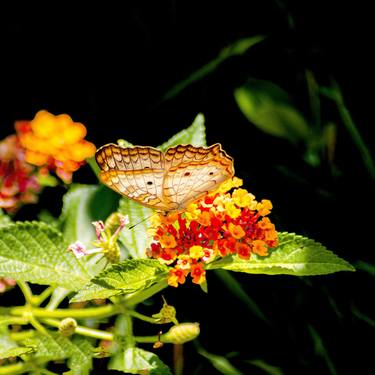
(164, 181)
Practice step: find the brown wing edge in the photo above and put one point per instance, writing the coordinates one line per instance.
(100, 153)
(225, 160)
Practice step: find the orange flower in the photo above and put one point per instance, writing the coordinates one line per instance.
(56, 142)
(198, 273)
(176, 276)
(243, 250)
(204, 218)
(236, 231)
(260, 248)
(167, 241)
(218, 225)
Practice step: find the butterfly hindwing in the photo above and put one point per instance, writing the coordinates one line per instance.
(166, 182)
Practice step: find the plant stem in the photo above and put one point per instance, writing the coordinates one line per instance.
(34, 322)
(84, 331)
(38, 300)
(346, 118)
(25, 289)
(137, 297)
(140, 316)
(23, 335)
(57, 297)
(178, 358)
(18, 368)
(92, 312)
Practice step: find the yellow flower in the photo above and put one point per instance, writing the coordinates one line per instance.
(229, 184)
(232, 211)
(242, 198)
(192, 211)
(196, 252)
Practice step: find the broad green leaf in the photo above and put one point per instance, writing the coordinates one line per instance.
(49, 347)
(295, 255)
(135, 240)
(237, 290)
(127, 276)
(84, 204)
(6, 343)
(80, 361)
(15, 352)
(135, 360)
(4, 218)
(36, 252)
(195, 134)
(124, 143)
(267, 368)
(239, 47)
(220, 363)
(321, 350)
(267, 106)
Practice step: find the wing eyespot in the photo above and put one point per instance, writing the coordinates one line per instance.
(187, 174)
(149, 182)
(211, 173)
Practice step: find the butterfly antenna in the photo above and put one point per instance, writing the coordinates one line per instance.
(146, 218)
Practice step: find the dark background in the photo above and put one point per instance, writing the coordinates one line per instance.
(108, 66)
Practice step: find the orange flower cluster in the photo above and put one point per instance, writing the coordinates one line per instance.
(55, 142)
(220, 224)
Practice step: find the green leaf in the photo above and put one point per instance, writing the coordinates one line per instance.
(365, 266)
(239, 47)
(267, 368)
(295, 255)
(4, 218)
(135, 360)
(128, 276)
(36, 252)
(80, 361)
(321, 350)
(15, 352)
(267, 106)
(49, 347)
(135, 240)
(195, 134)
(220, 363)
(84, 204)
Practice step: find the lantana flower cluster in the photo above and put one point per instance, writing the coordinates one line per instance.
(45, 144)
(220, 224)
(56, 142)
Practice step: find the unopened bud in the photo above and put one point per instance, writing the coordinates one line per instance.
(68, 326)
(181, 333)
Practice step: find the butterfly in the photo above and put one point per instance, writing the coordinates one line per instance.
(165, 181)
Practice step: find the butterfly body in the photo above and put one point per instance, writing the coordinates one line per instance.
(165, 181)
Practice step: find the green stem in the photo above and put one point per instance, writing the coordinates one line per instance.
(25, 289)
(84, 331)
(178, 359)
(18, 368)
(38, 300)
(147, 339)
(23, 335)
(140, 316)
(34, 322)
(367, 159)
(57, 297)
(137, 297)
(93, 312)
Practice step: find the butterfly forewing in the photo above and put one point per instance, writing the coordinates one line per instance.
(166, 182)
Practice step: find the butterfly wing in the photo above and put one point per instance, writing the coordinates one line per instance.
(136, 172)
(192, 172)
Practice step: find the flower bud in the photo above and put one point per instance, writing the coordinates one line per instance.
(68, 326)
(181, 333)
